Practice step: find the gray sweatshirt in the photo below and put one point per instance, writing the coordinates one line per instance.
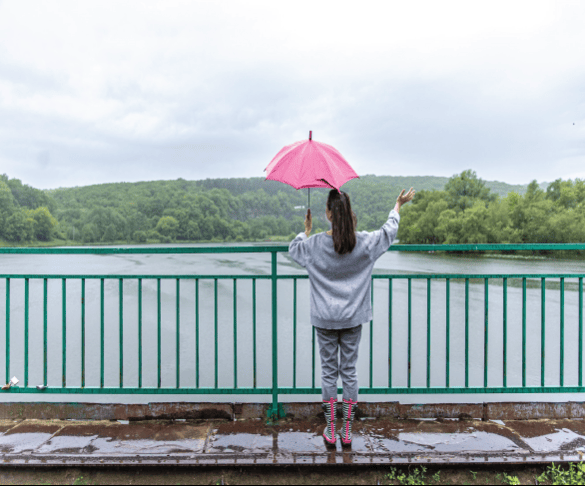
(340, 285)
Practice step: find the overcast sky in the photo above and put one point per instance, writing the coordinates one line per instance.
(108, 91)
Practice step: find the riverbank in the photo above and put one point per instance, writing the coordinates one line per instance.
(503, 255)
(67, 243)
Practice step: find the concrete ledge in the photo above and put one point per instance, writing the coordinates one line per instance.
(299, 410)
(534, 410)
(116, 411)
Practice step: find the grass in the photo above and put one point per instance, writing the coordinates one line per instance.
(552, 474)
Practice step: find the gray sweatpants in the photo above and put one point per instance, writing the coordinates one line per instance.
(339, 353)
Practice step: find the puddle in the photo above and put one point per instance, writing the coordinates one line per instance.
(66, 444)
(564, 439)
(379, 443)
(476, 441)
(16, 443)
(110, 446)
(249, 443)
(300, 442)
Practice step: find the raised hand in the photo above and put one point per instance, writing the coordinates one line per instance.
(308, 222)
(404, 198)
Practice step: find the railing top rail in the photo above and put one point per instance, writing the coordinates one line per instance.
(282, 248)
(195, 276)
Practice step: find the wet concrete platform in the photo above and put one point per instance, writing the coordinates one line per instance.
(288, 442)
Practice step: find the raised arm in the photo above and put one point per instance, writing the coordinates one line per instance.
(403, 199)
(379, 241)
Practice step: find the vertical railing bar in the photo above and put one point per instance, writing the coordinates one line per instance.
(45, 348)
(466, 333)
(389, 333)
(447, 331)
(102, 333)
(486, 334)
(64, 331)
(121, 329)
(235, 335)
(139, 333)
(7, 330)
(215, 333)
(409, 329)
(562, 310)
(580, 331)
(82, 333)
(372, 336)
(428, 332)
(254, 329)
(178, 333)
(313, 356)
(274, 335)
(524, 332)
(542, 329)
(26, 306)
(295, 333)
(197, 333)
(505, 332)
(159, 332)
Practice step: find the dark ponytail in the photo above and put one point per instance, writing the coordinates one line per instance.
(343, 221)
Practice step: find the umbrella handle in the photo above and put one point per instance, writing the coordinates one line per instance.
(309, 189)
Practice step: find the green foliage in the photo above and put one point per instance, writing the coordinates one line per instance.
(19, 227)
(29, 197)
(466, 212)
(139, 237)
(575, 474)
(167, 226)
(415, 477)
(462, 209)
(512, 480)
(465, 189)
(44, 223)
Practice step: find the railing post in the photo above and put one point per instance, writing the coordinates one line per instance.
(275, 411)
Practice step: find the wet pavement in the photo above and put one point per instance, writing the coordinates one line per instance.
(288, 442)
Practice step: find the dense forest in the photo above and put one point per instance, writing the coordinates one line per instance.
(466, 211)
(460, 209)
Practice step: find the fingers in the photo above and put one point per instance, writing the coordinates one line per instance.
(404, 198)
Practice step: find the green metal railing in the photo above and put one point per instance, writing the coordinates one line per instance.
(276, 388)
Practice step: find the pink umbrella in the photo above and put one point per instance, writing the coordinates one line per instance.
(307, 164)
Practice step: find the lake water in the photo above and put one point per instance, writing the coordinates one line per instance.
(259, 264)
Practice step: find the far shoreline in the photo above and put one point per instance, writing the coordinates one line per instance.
(275, 240)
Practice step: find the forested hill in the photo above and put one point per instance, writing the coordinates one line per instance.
(245, 209)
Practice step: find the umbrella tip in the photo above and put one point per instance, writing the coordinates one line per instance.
(310, 134)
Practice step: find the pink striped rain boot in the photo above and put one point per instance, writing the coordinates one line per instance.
(330, 407)
(349, 408)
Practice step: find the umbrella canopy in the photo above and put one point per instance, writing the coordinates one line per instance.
(307, 164)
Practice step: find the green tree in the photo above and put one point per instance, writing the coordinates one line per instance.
(139, 236)
(463, 189)
(6, 205)
(167, 226)
(19, 227)
(419, 220)
(89, 233)
(45, 223)
(110, 233)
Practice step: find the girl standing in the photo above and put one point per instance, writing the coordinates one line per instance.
(340, 263)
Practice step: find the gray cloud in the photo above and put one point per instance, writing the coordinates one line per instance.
(216, 93)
